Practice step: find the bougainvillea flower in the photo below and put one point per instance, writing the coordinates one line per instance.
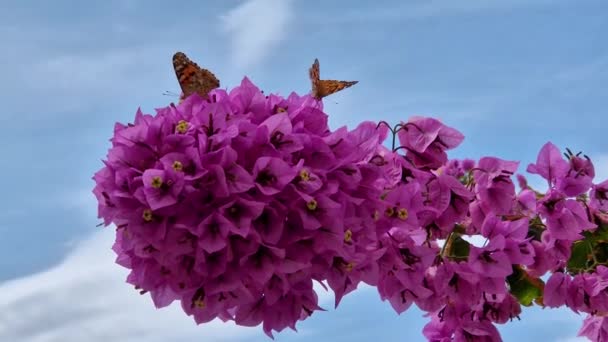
(579, 177)
(236, 204)
(595, 328)
(161, 187)
(566, 218)
(556, 290)
(426, 140)
(549, 164)
(494, 187)
(491, 260)
(272, 175)
(599, 196)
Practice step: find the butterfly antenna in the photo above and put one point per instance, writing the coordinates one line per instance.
(170, 93)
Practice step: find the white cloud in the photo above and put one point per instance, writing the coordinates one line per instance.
(85, 298)
(76, 82)
(256, 27)
(51, 70)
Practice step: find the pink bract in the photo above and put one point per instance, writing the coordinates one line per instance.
(235, 205)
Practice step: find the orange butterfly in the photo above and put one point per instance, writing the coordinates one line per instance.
(192, 78)
(322, 88)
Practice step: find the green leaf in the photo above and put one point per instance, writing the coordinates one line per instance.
(524, 287)
(536, 228)
(601, 234)
(579, 259)
(457, 248)
(601, 252)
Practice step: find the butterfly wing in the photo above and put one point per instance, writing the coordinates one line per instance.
(328, 87)
(192, 78)
(322, 88)
(314, 75)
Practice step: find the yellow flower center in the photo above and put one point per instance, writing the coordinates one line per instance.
(349, 267)
(147, 215)
(182, 126)
(304, 175)
(376, 215)
(199, 303)
(390, 211)
(157, 182)
(402, 214)
(311, 205)
(281, 110)
(348, 235)
(177, 166)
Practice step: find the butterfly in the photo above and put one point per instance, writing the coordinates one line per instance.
(192, 78)
(322, 88)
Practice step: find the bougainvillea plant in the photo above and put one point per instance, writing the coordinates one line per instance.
(234, 204)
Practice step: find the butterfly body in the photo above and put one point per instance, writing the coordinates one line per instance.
(322, 88)
(192, 78)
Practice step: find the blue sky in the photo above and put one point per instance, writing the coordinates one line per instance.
(510, 74)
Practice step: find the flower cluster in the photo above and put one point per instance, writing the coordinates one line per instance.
(462, 285)
(236, 204)
(468, 287)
